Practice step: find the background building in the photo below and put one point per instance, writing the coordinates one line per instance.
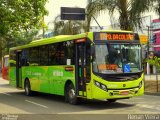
(156, 35)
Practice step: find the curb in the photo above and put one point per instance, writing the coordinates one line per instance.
(154, 94)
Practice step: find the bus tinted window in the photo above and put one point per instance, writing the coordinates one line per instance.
(69, 52)
(53, 54)
(24, 58)
(34, 56)
(43, 51)
(61, 53)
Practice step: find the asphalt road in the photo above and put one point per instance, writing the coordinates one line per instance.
(14, 102)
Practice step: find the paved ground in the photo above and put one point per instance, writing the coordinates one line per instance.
(152, 77)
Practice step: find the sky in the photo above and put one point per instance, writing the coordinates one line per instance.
(53, 7)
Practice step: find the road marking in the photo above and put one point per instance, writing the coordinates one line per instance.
(36, 104)
(6, 94)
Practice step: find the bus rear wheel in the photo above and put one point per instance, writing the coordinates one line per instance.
(71, 95)
(27, 88)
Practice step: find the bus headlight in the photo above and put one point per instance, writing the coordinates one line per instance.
(100, 85)
(140, 84)
(97, 84)
(103, 87)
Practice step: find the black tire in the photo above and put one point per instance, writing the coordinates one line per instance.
(111, 100)
(70, 95)
(27, 88)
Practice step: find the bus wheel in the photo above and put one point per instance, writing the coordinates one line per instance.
(111, 100)
(71, 95)
(27, 88)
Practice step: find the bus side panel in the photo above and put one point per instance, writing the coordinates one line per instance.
(68, 75)
(57, 78)
(38, 77)
(50, 79)
(12, 76)
(44, 79)
(32, 73)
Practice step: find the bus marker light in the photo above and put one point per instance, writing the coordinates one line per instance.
(124, 93)
(68, 68)
(80, 40)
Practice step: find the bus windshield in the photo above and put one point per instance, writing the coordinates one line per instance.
(117, 58)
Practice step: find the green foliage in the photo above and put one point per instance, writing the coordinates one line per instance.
(22, 15)
(20, 20)
(157, 6)
(130, 11)
(68, 27)
(155, 61)
(17, 38)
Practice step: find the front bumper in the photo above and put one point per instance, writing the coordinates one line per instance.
(118, 93)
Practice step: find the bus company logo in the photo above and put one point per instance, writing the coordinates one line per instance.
(9, 117)
(58, 73)
(124, 85)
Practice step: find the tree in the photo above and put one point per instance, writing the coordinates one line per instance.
(156, 6)
(93, 8)
(16, 39)
(130, 11)
(18, 17)
(68, 27)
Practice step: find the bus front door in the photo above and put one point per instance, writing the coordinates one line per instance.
(81, 68)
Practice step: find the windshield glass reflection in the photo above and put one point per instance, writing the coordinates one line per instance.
(115, 58)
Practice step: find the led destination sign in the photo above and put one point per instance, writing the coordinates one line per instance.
(114, 36)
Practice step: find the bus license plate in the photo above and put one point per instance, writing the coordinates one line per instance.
(124, 92)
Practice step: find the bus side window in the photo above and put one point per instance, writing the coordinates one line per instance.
(69, 53)
(24, 58)
(61, 53)
(34, 56)
(43, 51)
(53, 54)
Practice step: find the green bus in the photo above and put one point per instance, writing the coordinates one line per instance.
(93, 65)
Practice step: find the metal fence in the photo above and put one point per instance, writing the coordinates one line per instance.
(152, 83)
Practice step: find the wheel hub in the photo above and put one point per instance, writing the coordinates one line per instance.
(71, 93)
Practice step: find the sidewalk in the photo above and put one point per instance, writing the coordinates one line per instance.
(155, 94)
(2, 81)
(152, 77)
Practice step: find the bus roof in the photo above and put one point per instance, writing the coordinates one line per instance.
(62, 38)
(46, 41)
(119, 31)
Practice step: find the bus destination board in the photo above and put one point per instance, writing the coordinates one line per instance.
(114, 36)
